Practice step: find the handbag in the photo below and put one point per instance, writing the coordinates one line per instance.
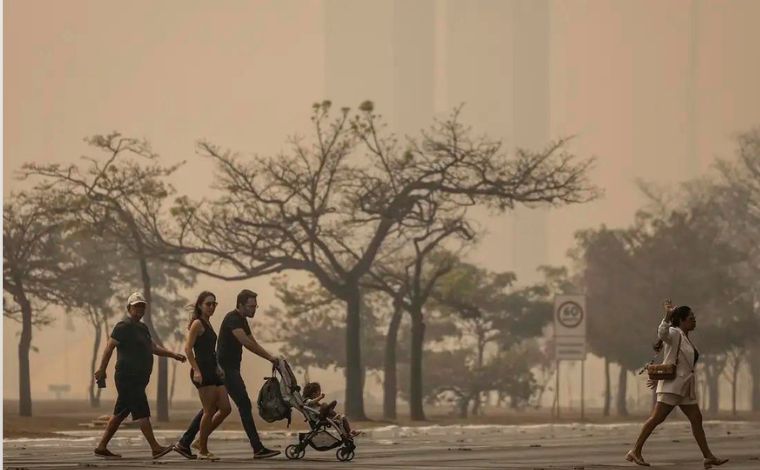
(664, 371)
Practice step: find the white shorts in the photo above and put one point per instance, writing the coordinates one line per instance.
(673, 399)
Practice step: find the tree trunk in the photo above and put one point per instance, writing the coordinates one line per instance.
(162, 390)
(94, 391)
(24, 346)
(464, 404)
(754, 365)
(734, 379)
(545, 383)
(481, 352)
(622, 409)
(713, 391)
(416, 409)
(174, 379)
(607, 392)
(703, 394)
(390, 387)
(481, 347)
(354, 373)
(733, 394)
(476, 402)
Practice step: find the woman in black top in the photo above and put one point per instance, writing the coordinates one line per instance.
(206, 375)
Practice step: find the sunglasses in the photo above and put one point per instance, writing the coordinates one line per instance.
(211, 304)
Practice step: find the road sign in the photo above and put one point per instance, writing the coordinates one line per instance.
(570, 315)
(570, 348)
(570, 327)
(570, 338)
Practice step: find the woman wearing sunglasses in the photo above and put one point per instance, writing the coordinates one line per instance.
(206, 374)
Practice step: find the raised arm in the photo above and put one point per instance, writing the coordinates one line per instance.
(315, 400)
(252, 345)
(663, 331)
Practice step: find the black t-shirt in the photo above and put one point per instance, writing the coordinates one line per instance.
(135, 349)
(229, 351)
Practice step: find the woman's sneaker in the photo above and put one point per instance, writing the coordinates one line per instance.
(265, 453)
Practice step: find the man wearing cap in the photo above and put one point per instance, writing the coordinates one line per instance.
(134, 364)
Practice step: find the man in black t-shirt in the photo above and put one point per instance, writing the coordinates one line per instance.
(233, 335)
(134, 363)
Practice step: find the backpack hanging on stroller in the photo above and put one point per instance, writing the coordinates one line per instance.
(272, 405)
(325, 433)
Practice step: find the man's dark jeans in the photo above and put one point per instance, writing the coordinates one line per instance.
(236, 389)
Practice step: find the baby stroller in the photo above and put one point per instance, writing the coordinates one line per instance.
(325, 433)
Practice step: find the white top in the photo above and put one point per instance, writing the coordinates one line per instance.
(684, 384)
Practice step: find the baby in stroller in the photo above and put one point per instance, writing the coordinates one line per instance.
(327, 429)
(312, 394)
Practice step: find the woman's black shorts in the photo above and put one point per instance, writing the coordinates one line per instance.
(211, 376)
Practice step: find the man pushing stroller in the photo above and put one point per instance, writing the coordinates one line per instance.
(234, 334)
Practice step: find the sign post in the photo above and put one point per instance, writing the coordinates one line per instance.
(583, 387)
(570, 337)
(59, 389)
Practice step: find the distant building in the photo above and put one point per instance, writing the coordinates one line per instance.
(418, 58)
(498, 64)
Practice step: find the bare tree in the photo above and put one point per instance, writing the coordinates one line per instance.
(737, 194)
(390, 363)
(96, 288)
(409, 276)
(736, 357)
(325, 209)
(98, 318)
(121, 192)
(38, 270)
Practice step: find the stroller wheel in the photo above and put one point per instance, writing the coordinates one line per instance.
(345, 454)
(293, 452)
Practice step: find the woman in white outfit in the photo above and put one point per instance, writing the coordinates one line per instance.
(673, 334)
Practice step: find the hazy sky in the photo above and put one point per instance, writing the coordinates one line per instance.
(653, 89)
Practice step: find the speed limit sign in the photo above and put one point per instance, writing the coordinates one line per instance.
(570, 327)
(570, 315)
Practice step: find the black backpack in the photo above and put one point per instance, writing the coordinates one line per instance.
(272, 406)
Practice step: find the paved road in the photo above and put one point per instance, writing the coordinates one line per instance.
(476, 447)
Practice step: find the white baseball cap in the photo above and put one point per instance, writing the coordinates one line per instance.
(136, 298)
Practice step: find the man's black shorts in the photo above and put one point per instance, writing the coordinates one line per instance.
(131, 398)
